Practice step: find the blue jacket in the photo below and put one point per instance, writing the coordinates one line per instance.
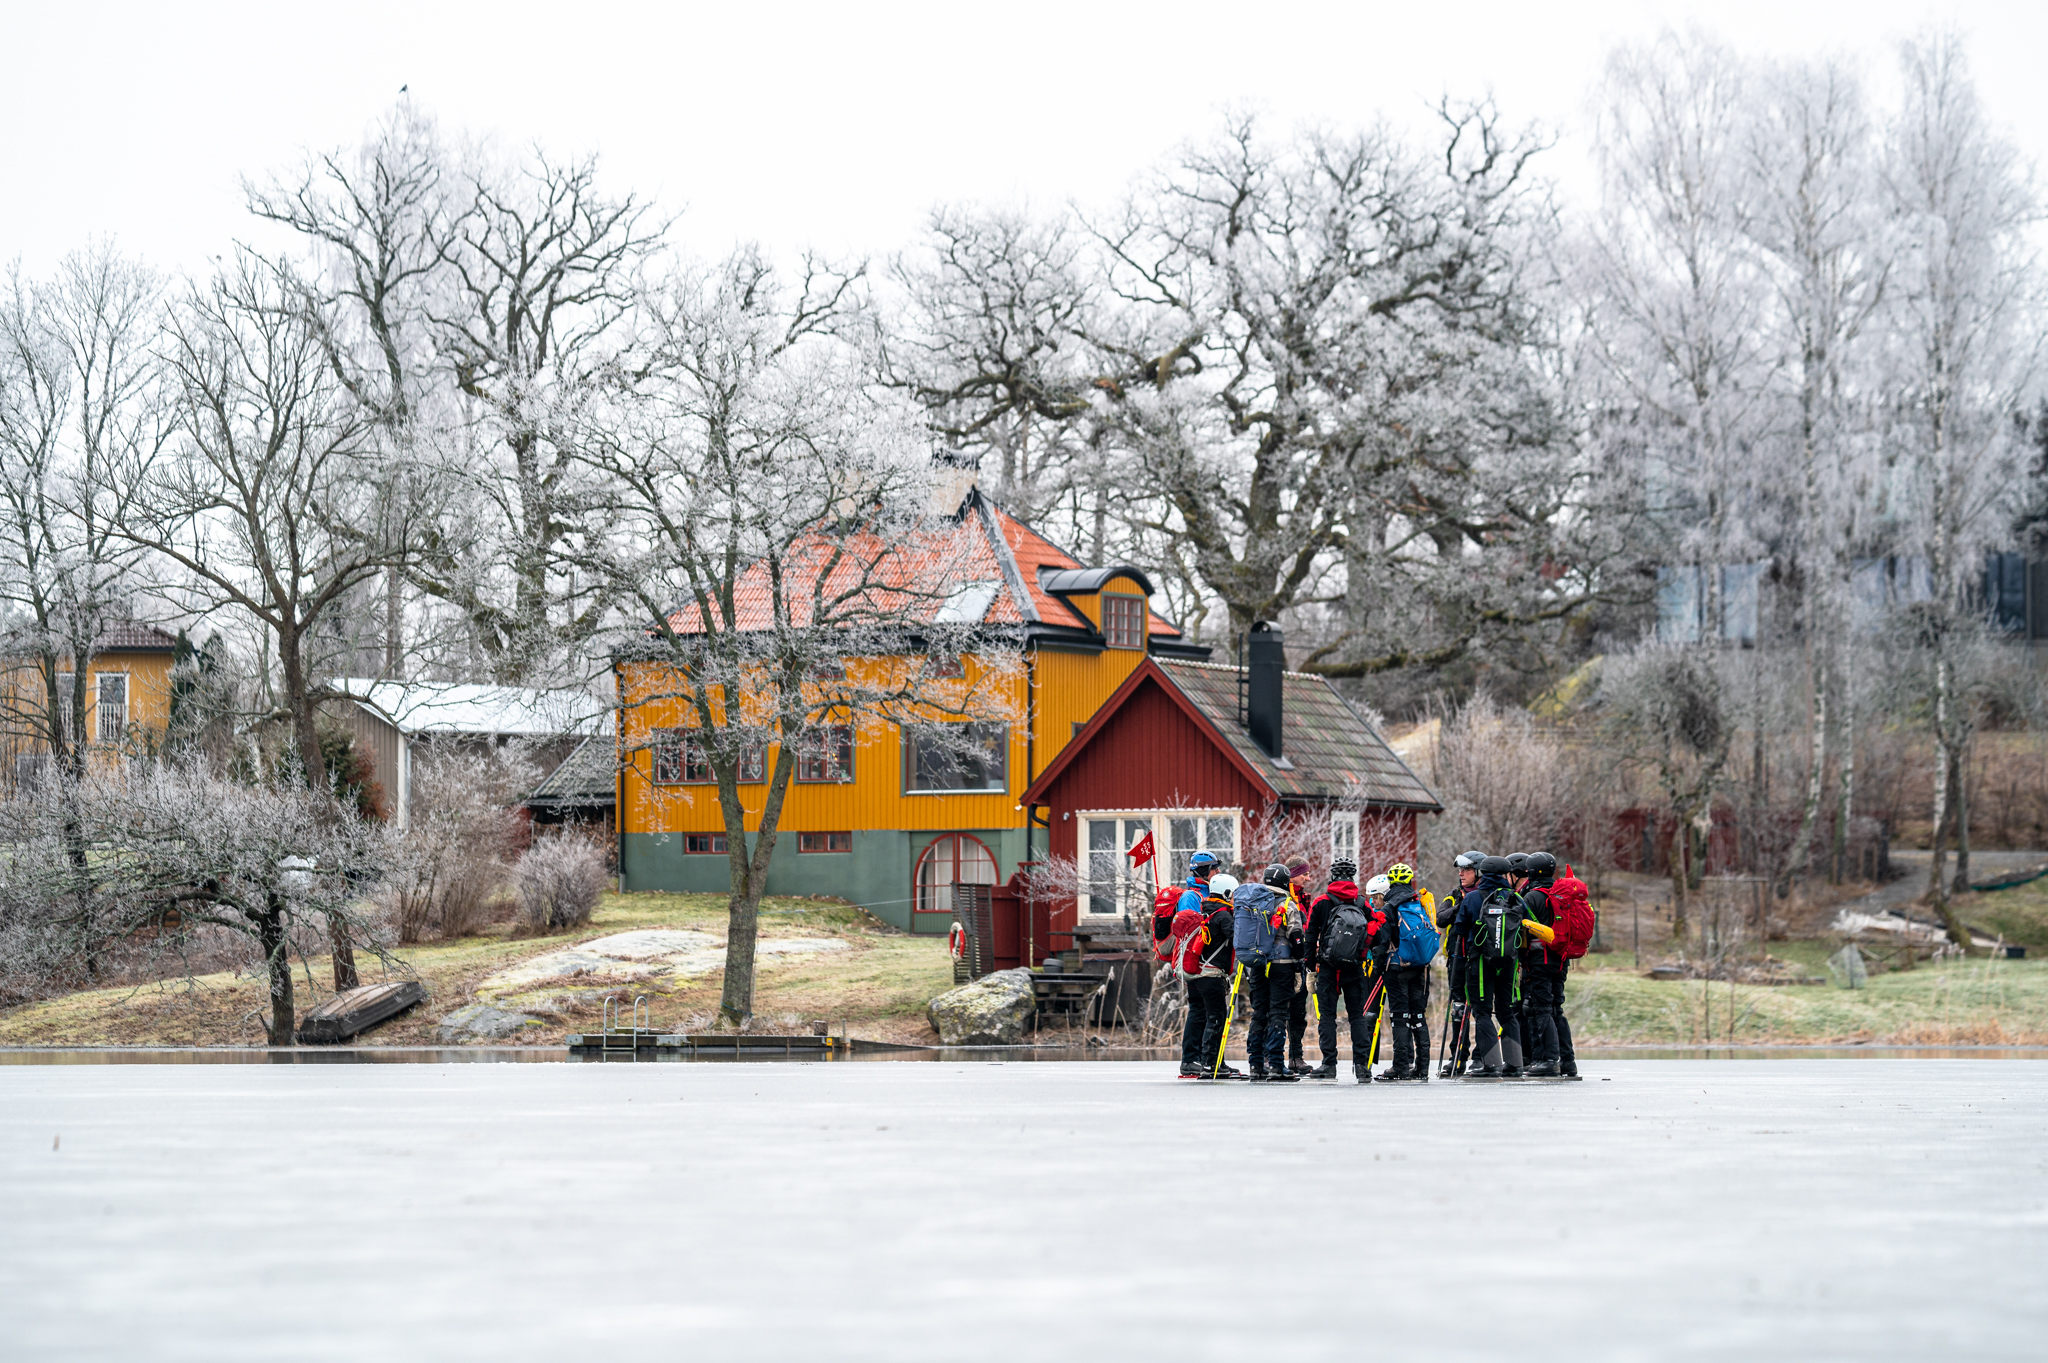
(1251, 924)
(1193, 896)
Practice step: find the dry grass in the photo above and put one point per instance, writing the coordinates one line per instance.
(878, 988)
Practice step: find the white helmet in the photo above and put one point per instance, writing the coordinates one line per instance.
(1222, 885)
(1377, 886)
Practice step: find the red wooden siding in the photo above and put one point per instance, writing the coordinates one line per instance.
(1148, 755)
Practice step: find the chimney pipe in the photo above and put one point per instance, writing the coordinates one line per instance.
(1265, 660)
(954, 475)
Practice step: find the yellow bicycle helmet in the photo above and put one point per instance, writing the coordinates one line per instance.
(1401, 873)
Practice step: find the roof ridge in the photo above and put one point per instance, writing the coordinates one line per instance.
(1006, 561)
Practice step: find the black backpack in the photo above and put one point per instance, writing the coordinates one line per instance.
(1344, 939)
(1497, 936)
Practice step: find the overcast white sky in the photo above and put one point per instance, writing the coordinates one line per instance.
(832, 125)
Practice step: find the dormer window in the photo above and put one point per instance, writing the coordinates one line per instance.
(1123, 621)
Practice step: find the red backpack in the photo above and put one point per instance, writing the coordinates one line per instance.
(1573, 915)
(1164, 903)
(1190, 935)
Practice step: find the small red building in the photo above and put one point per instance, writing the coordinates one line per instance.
(1247, 763)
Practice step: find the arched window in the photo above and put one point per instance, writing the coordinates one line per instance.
(953, 859)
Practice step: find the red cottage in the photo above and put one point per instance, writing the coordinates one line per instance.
(1231, 760)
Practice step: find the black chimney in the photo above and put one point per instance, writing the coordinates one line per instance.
(1265, 660)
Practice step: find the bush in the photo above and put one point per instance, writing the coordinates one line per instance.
(448, 870)
(558, 882)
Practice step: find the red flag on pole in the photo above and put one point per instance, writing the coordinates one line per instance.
(1141, 850)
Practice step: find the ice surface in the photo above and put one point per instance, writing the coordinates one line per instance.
(1738, 1210)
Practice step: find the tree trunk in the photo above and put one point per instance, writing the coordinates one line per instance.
(1809, 814)
(749, 876)
(306, 742)
(1944, 764)
(1959, 800)
(1845, 789)
(1680, 837)
(270, 934)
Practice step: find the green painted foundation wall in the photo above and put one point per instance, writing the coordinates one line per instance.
(877, 874)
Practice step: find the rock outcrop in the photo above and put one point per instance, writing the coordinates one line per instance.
(481, 1022)
(995, 1010)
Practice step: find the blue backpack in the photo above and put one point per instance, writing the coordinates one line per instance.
(1419, 938)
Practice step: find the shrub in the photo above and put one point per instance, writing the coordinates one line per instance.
(558, 882)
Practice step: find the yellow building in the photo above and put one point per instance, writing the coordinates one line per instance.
(127, 697)
(873, 818)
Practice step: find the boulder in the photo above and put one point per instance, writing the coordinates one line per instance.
(481, 1022)
(995, 1010)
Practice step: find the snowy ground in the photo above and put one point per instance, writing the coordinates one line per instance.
(1770, 1209)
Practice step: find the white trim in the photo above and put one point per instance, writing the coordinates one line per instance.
(1133, 885)
(127, 704)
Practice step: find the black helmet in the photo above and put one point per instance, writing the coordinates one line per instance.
(1277, 876)
(1493, 866)
(1518, 863)
(1343, 868)
(1542, 864)
(1469, 861)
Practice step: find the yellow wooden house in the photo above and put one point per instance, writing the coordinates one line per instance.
(127, 698)
(873, 818)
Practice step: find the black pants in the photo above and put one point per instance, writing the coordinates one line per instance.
(1408, 1014)
(1493, 990)
(1297, 1012)
(1269, 985)
(1350, 979)
(1550, 1035)
(1208, 1003)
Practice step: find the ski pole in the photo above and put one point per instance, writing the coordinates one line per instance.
(1228, 1013)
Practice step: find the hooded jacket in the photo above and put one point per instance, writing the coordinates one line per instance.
(1320, 912)
(1253, 936)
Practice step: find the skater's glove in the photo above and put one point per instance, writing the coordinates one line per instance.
(1545, 935)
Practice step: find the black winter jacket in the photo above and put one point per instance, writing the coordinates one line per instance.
(1536, 907)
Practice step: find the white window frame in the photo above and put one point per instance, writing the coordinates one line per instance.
(99, 711)
(1344, 835)
(1131, 889)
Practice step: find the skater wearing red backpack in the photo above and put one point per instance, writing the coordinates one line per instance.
(1560, 927)
(1168, 903)
(1203, 957)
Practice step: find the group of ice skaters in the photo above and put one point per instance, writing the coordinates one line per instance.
(1508, 933)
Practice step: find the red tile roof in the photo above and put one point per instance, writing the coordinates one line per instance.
(985, 545)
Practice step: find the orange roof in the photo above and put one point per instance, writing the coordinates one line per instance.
(970, 569)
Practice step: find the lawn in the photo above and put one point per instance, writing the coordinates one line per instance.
(1976, 1002)
(878, 986)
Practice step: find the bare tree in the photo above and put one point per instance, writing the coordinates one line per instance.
(178, 845)
(1662, 708)
(547, 271)
(1320, 358)
(787, 587)
(1965, 339)
(79, 401)
(271, 503)
(378, 225)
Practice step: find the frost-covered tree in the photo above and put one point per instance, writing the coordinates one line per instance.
(176, 845)
(769, 536)
(1964, 342)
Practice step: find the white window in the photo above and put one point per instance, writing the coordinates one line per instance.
(110, 707)
(1113, 885)
(1344, 835)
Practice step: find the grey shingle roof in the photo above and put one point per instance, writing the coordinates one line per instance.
(586, 775)
(1335, 753)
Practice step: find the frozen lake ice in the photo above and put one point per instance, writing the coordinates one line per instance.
(1789, 1209)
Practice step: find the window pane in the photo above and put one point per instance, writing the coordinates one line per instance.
(937, 761)
(1102, 860)
(1222, 839)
